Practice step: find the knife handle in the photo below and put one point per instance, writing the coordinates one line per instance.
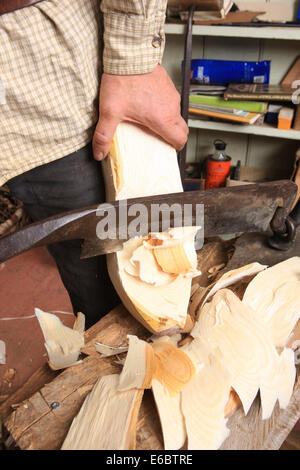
(45, 232)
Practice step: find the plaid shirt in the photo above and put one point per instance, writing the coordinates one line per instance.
(50, 68)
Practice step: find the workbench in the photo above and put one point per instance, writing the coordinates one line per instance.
(39, 414)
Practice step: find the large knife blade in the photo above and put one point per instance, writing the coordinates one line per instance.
(247, 208)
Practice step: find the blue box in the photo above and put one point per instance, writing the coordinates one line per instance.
(223, 72)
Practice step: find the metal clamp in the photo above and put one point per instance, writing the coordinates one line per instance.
(284, 231)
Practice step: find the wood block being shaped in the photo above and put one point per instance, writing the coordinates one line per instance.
(153, 273)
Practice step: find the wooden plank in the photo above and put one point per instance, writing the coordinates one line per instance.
(113, 330)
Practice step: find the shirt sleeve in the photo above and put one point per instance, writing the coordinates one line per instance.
(134, 38)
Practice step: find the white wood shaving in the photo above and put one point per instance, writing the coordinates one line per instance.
(2, 352)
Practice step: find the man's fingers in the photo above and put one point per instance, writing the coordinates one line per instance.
(175, 133)
(183, 133)
(103, 135)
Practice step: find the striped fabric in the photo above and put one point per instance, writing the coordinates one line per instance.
(128, 38)
(50, 68)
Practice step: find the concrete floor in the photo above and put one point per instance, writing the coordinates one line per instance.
(27, 281)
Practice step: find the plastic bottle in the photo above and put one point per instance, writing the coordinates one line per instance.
(217, 166)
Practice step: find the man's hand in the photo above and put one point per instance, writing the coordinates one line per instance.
(149, 99)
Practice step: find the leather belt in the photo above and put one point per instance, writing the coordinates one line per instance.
(7, 6)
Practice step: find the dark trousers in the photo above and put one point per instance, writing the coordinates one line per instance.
(72, 182)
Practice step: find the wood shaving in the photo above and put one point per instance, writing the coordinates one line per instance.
(107, 351)
(2, 352)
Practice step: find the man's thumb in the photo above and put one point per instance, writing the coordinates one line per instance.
(103, 136)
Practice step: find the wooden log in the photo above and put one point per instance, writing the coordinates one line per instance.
(113, 330)
(42, 421)
(38, 425)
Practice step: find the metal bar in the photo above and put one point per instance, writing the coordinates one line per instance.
(185, 89)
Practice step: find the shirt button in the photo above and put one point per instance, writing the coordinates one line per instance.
(156, 41)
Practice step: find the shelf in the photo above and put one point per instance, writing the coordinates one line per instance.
(265, 130)
(263, 32)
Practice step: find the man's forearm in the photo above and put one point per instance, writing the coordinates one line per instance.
(134, 86)
(133, 35)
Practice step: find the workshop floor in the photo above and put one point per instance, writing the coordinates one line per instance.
(28, 281)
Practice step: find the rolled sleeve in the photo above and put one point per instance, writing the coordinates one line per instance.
(134, 37)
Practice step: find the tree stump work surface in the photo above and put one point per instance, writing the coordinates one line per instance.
(39, 414)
